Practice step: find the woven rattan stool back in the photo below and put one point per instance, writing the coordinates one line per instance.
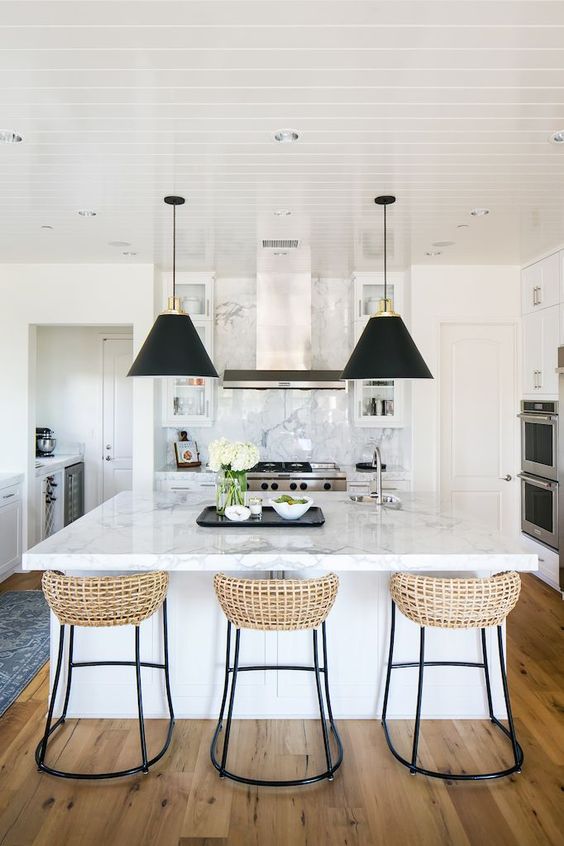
(104, 600)
(455, 603)
(276, 604)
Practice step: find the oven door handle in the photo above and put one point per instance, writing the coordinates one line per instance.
(540, 483)
(535, 418)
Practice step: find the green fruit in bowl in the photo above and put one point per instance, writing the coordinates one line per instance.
(289, 500)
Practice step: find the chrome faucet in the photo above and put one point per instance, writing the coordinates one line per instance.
(377, 464)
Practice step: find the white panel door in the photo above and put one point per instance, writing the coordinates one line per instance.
(117, 416)
(478, 422)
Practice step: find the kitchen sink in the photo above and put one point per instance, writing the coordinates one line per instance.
(388, 500)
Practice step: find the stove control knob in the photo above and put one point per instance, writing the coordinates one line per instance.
(264, 486)
(303, 486)
(274, 486)
(327, 486)
(293, 486)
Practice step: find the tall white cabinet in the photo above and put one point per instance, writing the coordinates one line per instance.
(542, 300)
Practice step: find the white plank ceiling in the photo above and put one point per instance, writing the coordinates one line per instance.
(449, 105)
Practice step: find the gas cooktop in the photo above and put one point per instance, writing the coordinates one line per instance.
(282, 467)
(296, 475)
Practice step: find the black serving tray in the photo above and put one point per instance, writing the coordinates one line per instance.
(209, 518)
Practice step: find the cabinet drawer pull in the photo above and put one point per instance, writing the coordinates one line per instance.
(7, 496)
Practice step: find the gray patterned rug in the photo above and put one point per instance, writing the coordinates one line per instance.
(24, 641)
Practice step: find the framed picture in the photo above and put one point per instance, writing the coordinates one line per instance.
(186, 454)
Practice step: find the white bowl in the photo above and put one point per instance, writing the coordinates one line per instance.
(291, 512)
(237, 513)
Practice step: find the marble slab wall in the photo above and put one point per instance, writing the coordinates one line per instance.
(301, 425)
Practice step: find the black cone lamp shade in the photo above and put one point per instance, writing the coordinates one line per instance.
(386, 350)
(173, 346)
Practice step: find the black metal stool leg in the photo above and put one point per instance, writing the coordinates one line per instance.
(69, 674)
(390, 660)
(334, 729)
(41, 750)
(419, 700)
(517, 751)
(231, 703)
(321, 707)
(140, 701)
(487, 675)
(166, 662)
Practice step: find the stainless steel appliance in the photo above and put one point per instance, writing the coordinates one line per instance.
(296, 476)
(45, 441)
(74, 492)
(539, 509)
(539, 438)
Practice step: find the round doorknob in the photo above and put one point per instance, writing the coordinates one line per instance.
(506, 478)
(108, 458)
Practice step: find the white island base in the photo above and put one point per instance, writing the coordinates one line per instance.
(363, 544)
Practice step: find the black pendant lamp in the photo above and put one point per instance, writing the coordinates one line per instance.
(386, 350)
(173, 346)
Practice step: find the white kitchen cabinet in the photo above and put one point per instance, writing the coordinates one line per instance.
(540, 284)
(10, 529)
(541, 330)
(189, 401)
(549, 562)
(196, 293)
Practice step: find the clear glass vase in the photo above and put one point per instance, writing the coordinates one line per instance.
(230, 489)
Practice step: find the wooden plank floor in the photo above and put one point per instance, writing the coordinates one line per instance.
(373, 800)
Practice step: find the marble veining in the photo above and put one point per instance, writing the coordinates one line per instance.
(139, 532)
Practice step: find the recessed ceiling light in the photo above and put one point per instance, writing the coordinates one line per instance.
(433, 253)
(443, 243)
(286, 135)
(46, 226)
(9, 137)
(279, 254)
(282, 212)
(479, 212)
(86, 213)
(119, 243)
(128, 253)
(463, 226)
(557, 137)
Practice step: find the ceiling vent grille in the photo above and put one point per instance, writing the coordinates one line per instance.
(280, 244)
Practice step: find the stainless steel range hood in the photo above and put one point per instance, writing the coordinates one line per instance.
(283, 346)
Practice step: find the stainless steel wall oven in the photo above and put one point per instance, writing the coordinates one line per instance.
(539, 439)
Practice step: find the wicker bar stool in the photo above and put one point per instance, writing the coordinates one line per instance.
(98, 602)
(454, 604)
(276, 605)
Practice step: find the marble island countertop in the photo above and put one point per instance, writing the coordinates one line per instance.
(159, 531)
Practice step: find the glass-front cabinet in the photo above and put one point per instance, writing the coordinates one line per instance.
(189, 401)
(195, 291)
(376, 402)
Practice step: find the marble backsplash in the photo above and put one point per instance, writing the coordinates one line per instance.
(300, 425)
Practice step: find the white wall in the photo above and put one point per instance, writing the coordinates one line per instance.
(51, 294)
(69, 391)
(469, 293)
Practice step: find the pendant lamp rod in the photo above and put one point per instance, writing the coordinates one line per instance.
(385, 261)
(174, 251)
(174, 201)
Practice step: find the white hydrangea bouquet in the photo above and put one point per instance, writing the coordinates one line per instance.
(231, 460)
